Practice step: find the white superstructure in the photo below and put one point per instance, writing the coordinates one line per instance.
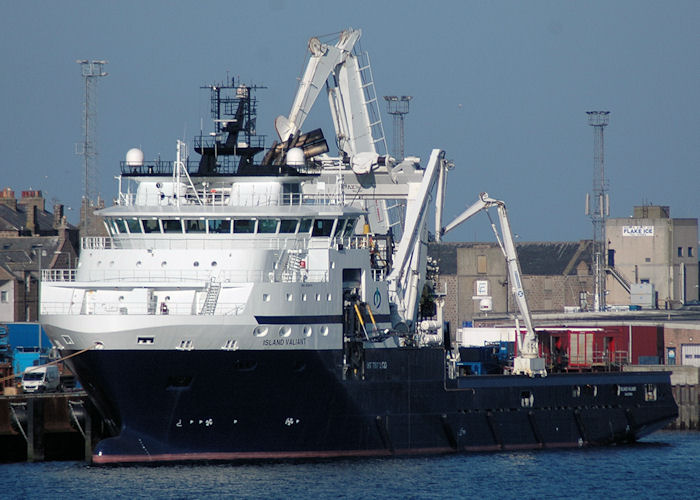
(257, 257)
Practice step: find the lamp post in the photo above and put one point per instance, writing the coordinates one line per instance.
(39, 249)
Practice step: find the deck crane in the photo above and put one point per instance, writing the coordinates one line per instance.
(338, 69)
(528, 361)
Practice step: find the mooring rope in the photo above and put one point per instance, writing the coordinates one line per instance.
(51, 363)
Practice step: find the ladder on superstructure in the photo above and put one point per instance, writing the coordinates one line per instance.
(293, 267)
(213, 289)
(371, 104)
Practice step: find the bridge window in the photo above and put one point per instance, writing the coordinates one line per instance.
(120, 225)
(267, 226)
(288, 226)
(322, 227)
(349, 228)
(219, 226)
(150, 226)
(172, 226)
(195, 226)
(134, 226)
(305, 225)
(245, 226)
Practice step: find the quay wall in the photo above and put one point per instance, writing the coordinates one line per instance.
(685, 382)
(39, 427)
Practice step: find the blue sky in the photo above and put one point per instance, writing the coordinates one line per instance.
(503, 87)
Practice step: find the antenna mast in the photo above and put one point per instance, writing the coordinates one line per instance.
(598, 205)
(91, 70)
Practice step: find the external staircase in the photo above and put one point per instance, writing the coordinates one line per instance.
(213, 290)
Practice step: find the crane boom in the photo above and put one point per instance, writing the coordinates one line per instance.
(528, 361)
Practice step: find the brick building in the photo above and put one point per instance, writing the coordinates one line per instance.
(556, 277)
(31, 239)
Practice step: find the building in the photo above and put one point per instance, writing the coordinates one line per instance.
(650, 254)
(31, 239)
(556, 277)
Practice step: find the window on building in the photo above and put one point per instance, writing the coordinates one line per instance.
(680, 251)
(690, 251)
(481, 264)
(4, 297)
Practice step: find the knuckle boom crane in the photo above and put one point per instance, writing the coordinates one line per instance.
(528, 360)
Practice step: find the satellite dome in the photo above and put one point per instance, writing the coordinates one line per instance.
(295, 157)
(134, 158)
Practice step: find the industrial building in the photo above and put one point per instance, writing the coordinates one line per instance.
(652, 259)
(556, 277)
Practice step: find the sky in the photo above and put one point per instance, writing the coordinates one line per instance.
(502, 86)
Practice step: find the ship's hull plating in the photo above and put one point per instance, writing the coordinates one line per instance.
(218, 405)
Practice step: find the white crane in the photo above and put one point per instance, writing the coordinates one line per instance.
(338, 69)
(528, 361)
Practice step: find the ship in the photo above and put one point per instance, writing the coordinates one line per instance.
(245, 309)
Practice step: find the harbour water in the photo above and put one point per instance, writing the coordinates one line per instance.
(665, 465)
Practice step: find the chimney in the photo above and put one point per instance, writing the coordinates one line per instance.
(57, 216)
(31, 224)
(32, 197)
(7, 198)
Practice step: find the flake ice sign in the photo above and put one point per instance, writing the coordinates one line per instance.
(637, 230)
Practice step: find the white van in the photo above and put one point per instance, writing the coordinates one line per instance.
(41, 379)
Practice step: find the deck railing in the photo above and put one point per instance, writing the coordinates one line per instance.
(111, 308)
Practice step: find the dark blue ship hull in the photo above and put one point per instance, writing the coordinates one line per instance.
(219, 405)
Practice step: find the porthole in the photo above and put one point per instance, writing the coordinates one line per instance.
(214, 263)
(266, 297)
(308, 331)
(324, 330)
(138, 263)
(328, 297)
(318, 297)
(285, 331)
(164, 263)
(289, 297)
(303, 297)
(195, 263)
(260, 331)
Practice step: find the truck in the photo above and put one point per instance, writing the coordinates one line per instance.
(42, 378)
